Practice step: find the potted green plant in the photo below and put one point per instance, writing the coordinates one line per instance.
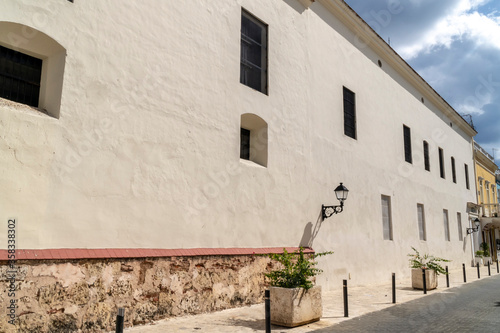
(479, 256)
(486, 253)
(431, 265)
(294, 299)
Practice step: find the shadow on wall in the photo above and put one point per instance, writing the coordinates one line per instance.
(310, 233)
(296, 5)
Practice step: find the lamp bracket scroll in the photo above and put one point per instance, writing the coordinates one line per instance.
(341, 193)
(330, 210)
(477, 223)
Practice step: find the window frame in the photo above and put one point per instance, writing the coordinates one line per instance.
(407, 144)
(389, 226)
(460, 228)
(467, 184)
(453, 170)
(422, 232)
(427, 164)
(349, 125)
(21, 75)
(245, 143)
(442, 172)
(264, 54)
(446, 223)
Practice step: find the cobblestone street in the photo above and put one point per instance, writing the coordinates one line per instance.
(473, 307)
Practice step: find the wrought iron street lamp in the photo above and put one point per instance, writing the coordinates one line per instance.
(477, 223)
(341, 193)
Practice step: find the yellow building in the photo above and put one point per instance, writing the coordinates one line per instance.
(487, 199)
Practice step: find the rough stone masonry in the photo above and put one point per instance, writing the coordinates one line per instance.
(84, 295)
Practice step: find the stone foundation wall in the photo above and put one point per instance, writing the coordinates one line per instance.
(84, 295)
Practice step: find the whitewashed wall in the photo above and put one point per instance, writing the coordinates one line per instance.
(145, 152)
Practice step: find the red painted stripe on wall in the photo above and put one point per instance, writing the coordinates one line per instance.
(68, 254)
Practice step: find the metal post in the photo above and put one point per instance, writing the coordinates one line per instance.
(497, 267)
(447, 278)
(478, 274)
(119, 320)
(489, 270)
(465, 276)
(425, 282)
(267, 300)
(393, 288)
(346, 309)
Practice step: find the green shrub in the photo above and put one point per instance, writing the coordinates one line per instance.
(427, 262)
(297, 269)
(486, 249)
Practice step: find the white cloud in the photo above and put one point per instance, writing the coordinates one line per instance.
(463, 22)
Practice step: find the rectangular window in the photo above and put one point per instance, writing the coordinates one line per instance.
(427, 164)
(407, 143)
(441, 163)
(459, 224)
(421, 221)
(20, 76)
(453, 172)
(253, 62)
(349, 113)
(467, 176)
(446, 225)
(386, 217)
(245, 144)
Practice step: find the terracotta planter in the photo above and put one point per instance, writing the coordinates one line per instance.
(292, 307)
(417, 281)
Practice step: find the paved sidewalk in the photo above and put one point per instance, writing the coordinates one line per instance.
(362, 300)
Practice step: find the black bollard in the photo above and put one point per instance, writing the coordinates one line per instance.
(489, 270)
(478, 274)
(346, 309)
(497, 267)
(267, 300)
(447, 278)
(465, 276)
(423, 279)
(119, 320)
(393, 288)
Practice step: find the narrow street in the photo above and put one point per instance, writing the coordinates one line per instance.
(473, 307)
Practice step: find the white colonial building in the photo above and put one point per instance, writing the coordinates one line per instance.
(219, 125)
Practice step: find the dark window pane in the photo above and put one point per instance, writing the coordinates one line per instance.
(20, 76)
(407, 144)
(467, 176)
(245, 144)
(349, 114)
(441, 163)
(426, 156)
(453, 173)
(253, 64)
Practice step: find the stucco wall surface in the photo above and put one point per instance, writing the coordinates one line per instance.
(145, 152)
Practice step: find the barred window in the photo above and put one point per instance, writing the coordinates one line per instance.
(407, 144)
(349, 113)
(427, 164)
(245, 144)
(253, 62)
(20, 76)
(441, 163)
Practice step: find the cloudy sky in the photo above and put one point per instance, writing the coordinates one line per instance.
(455, 46)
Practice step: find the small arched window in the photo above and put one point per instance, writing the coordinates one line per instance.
(31, 67)
(253, 139)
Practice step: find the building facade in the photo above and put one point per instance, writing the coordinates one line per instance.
(206, 131)
(487, 198)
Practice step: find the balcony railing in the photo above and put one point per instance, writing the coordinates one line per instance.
(490, 210)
